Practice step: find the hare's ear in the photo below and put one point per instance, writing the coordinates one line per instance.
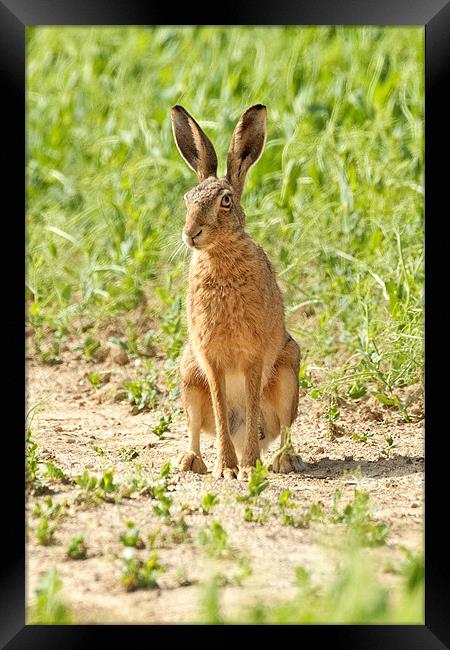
(193, 145)
(247, 145)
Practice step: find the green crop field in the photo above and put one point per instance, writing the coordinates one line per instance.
(337, 200)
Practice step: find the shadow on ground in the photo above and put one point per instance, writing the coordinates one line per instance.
(383, 467)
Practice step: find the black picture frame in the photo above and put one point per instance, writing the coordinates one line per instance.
(434, 15)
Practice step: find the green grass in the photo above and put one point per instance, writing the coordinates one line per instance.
(336, 199)
(344, 600)
(136, 573)
(76, 549)
(49, 608)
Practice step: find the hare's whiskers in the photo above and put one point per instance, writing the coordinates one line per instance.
(176, 252)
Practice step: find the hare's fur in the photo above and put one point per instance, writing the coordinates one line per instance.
(239, 370)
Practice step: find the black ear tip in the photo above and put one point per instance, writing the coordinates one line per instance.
(178, 109)
(258, 107)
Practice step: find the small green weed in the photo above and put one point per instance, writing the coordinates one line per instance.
(49, 608)
(160, 493)
(139, 574)
(91, 348)
(357, 517)
(178, 532)
(209, 501)
(98, 450)
(94, 489)
(132, 536)
(77, 549)
(142, 393)
(214, 539)
(48, 509)
(235, 579)
(45, 532)
(332, 413)
(257, 484)
(152, 538)
(362, 437)
(314, 513)
(135, 482)
(49, 514)
(54, 473)
(257, 509)
(32, 461)
(172, 323)
(390, 446)
(259, 513)
(127, 454)
(163, 426)
(94, 379)
(285, 504)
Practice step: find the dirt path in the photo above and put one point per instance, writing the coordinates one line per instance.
(74, 418)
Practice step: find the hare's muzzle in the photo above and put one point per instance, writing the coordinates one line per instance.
(190, 236)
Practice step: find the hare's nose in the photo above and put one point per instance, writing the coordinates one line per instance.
(190, 238)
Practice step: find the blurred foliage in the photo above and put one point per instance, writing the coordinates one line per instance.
(346, 599)
(336, 200)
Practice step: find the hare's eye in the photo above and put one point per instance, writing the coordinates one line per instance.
(226, 201)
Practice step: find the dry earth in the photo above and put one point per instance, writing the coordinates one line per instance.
(74, 418)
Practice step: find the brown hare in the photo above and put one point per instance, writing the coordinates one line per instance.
(239, 370)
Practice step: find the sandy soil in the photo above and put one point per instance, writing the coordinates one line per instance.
(74, 417)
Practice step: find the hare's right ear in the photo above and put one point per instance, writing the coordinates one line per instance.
(193, 144)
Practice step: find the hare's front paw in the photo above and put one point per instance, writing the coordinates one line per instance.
(224, 469)
(188, 461)
(245, 472)
(286, 463)
(225, 472)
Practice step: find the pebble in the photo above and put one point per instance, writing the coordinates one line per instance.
(120, 356)
(102, 353)
(29, 330)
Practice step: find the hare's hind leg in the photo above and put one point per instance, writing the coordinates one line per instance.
(197, 406)
(282, 396)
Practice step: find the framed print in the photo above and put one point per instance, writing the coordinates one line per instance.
(227, 351)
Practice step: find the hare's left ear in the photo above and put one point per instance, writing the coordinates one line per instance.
(247, 145)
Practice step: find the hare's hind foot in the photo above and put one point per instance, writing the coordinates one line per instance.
(286, 463)
(188, 461)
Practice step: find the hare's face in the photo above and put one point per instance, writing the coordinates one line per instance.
(213, 211)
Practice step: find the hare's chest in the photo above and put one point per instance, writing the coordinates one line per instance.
(215, 305)
(223, 315)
